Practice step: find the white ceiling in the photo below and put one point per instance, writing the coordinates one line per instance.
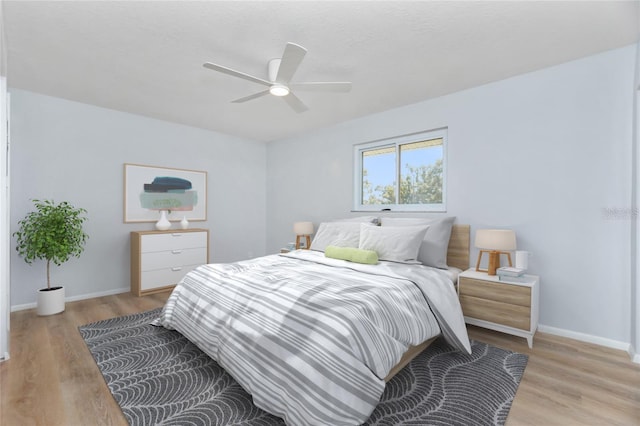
(146, 57)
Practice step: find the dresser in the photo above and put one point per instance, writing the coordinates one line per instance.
(159, 259)
(509, 305)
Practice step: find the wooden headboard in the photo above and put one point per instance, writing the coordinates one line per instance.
(458, 251)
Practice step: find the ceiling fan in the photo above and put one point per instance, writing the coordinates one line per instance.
(280, 71)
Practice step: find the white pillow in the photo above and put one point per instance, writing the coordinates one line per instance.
(360, 219)
(393, 243)
(433, 251)
(340, 234)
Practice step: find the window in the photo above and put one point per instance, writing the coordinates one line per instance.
(406, 173)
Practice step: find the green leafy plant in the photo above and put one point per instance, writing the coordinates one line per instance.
(52, 232)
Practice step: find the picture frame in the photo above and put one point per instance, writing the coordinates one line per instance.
(150, 189)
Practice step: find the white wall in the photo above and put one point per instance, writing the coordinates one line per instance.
(4, 200)
(635, 234)
(546, 153)
(69, 151)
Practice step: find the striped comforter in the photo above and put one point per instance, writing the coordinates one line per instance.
(312, 338)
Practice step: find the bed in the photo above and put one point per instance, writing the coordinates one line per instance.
(314, 339)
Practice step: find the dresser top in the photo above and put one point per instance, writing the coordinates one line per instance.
(169, 231)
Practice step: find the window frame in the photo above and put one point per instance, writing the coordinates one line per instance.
(396, 141)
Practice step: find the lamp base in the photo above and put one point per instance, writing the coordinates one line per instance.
(494, 261)
(308, 241)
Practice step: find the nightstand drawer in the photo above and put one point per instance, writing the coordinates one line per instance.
(498, 292)
(507, 314)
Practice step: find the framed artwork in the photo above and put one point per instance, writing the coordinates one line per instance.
(150, 189)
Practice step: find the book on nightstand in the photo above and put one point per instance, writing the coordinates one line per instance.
(508, 273)
(520, 279)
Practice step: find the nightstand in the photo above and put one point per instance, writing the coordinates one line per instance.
(508, 306)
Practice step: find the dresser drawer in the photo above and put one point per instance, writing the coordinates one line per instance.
(171, 258)
(507, 314)
(164, 277)
(505, 293)
(173, 241)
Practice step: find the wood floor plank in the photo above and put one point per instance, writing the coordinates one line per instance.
(51, 378)
(38, 381)
(567, 382)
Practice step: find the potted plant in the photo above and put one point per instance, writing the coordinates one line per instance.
(52, 232)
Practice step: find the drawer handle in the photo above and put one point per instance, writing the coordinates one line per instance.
(176, 251)
(176, 268)
(177, 235)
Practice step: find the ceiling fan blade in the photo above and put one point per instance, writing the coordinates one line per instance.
(328, 86)
(248, 98)
(295, 103)
(235, 73)
(291, 58)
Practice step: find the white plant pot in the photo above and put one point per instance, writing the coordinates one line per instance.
(50, 301)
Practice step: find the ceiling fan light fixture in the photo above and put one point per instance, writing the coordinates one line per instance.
(279, 90)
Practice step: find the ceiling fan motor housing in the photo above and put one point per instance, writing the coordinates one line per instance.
(276, 89)
(272, 69)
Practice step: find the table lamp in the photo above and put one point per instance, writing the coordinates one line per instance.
(303, 229)
(495, 242)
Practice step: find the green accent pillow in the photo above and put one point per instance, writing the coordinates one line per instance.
(352, 254)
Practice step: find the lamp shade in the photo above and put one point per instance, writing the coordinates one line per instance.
(303, 228)
(496, 239)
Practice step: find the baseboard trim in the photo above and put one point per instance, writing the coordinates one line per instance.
(15, 308)
(635, 356)
(588, 338)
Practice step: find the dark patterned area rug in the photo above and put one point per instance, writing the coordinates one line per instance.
(158, 377)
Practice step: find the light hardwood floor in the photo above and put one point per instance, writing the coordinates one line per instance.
(51, 378)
